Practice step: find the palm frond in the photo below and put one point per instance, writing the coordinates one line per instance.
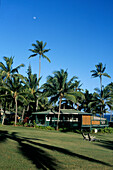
(33, 55)
(44, 56)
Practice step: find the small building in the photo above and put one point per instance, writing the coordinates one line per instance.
(69, 118)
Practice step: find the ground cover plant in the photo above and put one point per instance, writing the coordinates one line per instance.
(30, 148)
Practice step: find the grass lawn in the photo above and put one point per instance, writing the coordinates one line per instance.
(30, 148)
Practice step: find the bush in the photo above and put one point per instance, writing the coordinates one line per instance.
(34, 123)
(19, 123)
(25, 124)
(102, 131)
(44, 127)
(107, 130)
(12, 123)
(50, 128)
(30, 125)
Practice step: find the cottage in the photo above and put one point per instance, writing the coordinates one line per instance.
(69, 118)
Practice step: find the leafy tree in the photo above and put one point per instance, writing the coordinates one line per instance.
(58, 87)
(39, 49)
(110, 86)
(85, 102)
(31, 85)
(99, 72)
(44, 104)
(76, 104)
(8, 71)
(15, 90)
(101, 101)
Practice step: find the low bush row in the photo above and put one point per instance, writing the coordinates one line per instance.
(107, 130)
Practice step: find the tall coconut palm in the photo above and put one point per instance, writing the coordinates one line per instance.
(15, 90)
(101, 101)
(39, 49)
(78, 98)
(110, 86)
(31, 85)
(85, 102)
(8, 71)
(44, 104)
(58, 87)
(99, 72)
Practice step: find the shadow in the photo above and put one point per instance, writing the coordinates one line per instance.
(34, 152)
(106, 144)
(67, 152)
(33, 139)
(38, 156)
(3, 136)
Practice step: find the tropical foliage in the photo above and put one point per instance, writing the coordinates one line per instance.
(58, 87)
(21, 94)
(39, 49)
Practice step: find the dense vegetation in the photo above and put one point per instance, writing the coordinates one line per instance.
(22, 94)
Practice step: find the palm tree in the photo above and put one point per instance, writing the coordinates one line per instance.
(39, 48)
(31, 85)
(58, 87)
(110, 86)
(101, 101)
(99, 72)
(44, 104)
(78, 98)
(8, 71)
(15, 90)
(85, 102)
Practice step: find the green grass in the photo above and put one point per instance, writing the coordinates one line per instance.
(30, 148)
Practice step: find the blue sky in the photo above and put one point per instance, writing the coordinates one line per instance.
(78, 32)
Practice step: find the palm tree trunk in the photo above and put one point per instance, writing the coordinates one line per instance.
(59, 113)
(16, 111)
(38, 78)
(36, 104)
(101, 93)
(23, 114)
(28, 108)
(101, 85)
(39, 68)
(4, 110)
(3, 118)
(111, 116)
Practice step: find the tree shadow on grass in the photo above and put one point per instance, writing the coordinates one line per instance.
(41, 158)
(3, 136)
(67, 152)
(38, 156)
(106, 144)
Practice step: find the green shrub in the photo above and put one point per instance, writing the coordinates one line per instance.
(102, 130)
(45, 127)
(12, 123)
(34, 123)
(50, 128)
(25, 124)
(107, 130)
(30, 125)
(19, 123)
(110, 130)
(77, 131)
